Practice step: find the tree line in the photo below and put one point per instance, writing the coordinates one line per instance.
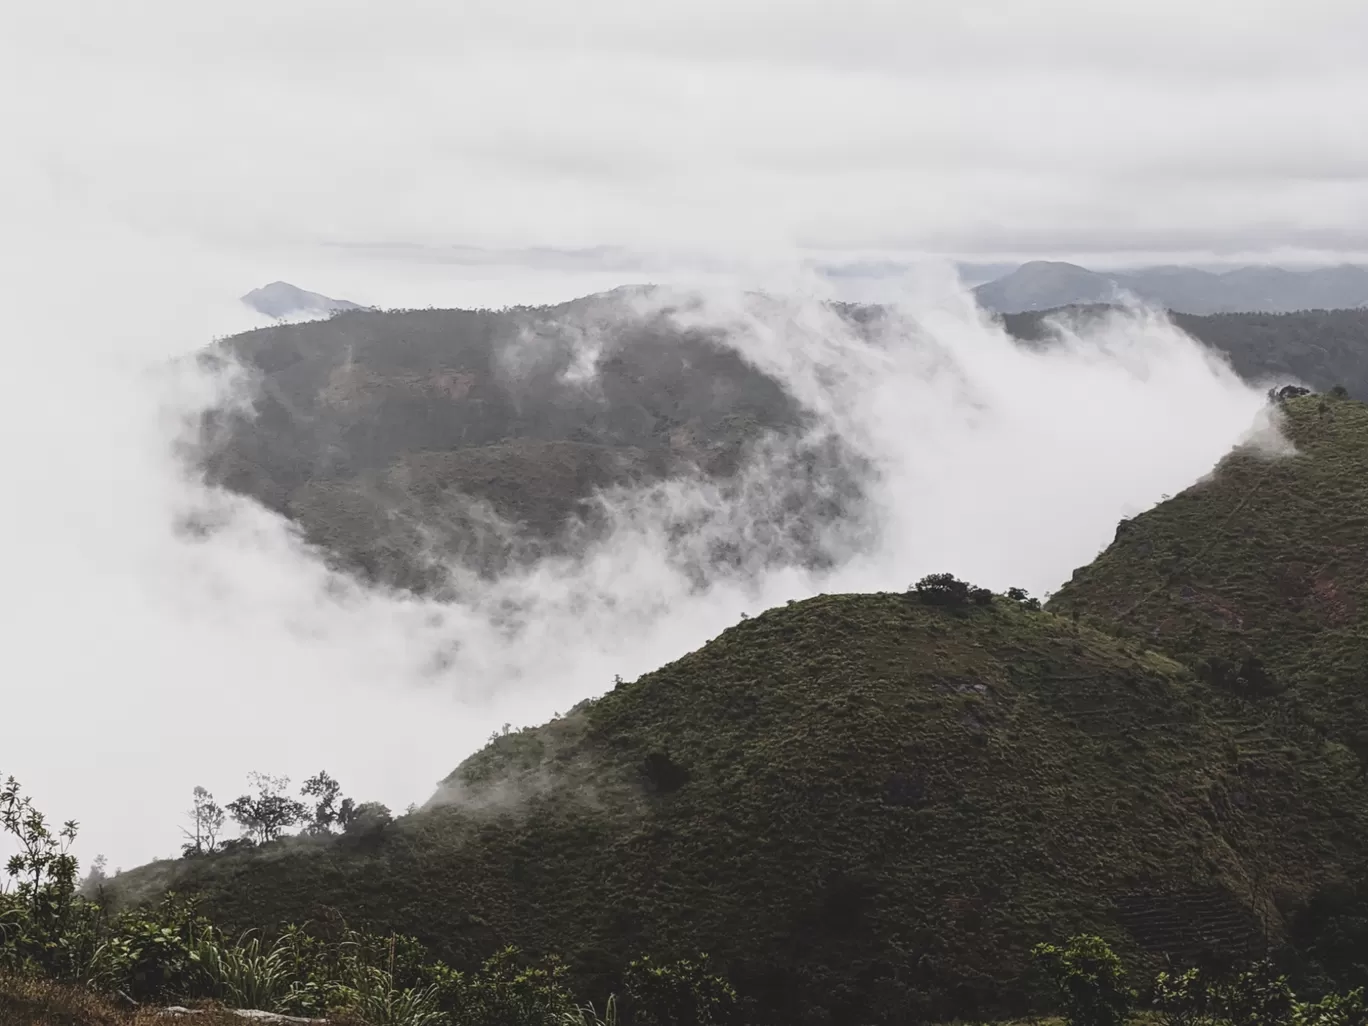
(267, 811)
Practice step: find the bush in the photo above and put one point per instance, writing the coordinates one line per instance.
(948, 590)
(1336, 1010)
(1181, 998)
(682, 993)
(507, 991)
(1259, 996)
(369, 818)
(1088, 979)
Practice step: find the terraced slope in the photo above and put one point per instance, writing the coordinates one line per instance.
(866, 808)
(1258, 576)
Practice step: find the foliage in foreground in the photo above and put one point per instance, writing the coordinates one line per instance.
(51, 934)
(1088, 986)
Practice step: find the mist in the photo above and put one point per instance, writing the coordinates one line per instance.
(141, 660)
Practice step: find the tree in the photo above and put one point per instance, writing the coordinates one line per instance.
(44, 869)
(1089, 979)
(328, 811)
(40, 921)
(370, 818)
(948, 590)
(268, 812)
(95, 878)
(206, 819)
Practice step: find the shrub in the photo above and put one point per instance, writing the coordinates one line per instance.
(369, 819)
(1181, 998)
(507, 991)
(1336, 1010)
(682, 993)
(1088, 979)
(1259, 996)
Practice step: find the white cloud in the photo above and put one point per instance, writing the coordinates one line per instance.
(162, 158)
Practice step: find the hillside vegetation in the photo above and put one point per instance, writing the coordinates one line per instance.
(408, 442)
(866, 808)
(1257, 574)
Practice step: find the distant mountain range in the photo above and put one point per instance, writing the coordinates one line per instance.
(281, 299)
(1045, 284)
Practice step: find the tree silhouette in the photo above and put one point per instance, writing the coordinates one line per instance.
(267, 813)
(206, 820)
(329, 811)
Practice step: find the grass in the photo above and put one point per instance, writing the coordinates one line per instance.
(28, 1001)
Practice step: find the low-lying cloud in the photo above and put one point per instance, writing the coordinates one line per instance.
(143, 658)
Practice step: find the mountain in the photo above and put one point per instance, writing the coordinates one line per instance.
(1320, 348)
(416, 446)
(1041, 285)
(866, 808)
(1255, 579)
(281, 299)
(406, 443)
(1045, 284)
(1262, 562)
(869, 807)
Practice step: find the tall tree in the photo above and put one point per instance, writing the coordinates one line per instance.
(330, 808)
(265, 814)
(206, 820)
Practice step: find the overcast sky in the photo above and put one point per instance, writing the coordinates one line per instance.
(1170, 129)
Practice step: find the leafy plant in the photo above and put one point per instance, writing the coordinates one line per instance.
(1182, 999)
(41, 920)
(1089, 980)
(1336, 1010)
(507, 991)
(1259, 996)
(681, 993)
(247, 974)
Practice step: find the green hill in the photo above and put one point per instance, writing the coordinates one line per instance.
(1257, 575)
(866, 808)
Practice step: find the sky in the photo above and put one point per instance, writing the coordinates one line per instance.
(161, 159)
(687, 130)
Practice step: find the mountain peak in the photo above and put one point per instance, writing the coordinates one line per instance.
(281, 299)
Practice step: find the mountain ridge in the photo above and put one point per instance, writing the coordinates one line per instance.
(1041, 285)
